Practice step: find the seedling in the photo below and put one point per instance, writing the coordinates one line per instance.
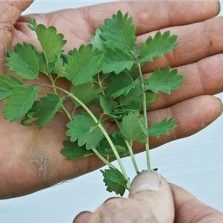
(107, 74)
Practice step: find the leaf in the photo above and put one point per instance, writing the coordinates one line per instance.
(97, 41)
(114, 181)
(46, 109)
(119, 85)
(106, 105)
(72, 152)
(32, 23)
(119, 32)
(7, 84)
(117, 61)
(23, 60)
(157, 46)
(133, 127)
(85, 92)
(163, 127)
(85, 131)
(59, 67)
(83, 65)
(20, 102)
(51, 42)
(164, 80)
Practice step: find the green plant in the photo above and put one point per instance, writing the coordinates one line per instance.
(107, 74)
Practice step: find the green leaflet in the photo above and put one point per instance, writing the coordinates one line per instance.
(19, 102)
(23, 60)
(133, 127)
(73, 152)
(83, 64)
(161, 128)
(119, 85)
(164, 80)
(157, 46)
(51, 42)
(87, 93)
(119, 32)
(7, 85)
(97, 41)
(85, 131)
(114, 181)
(46, 108)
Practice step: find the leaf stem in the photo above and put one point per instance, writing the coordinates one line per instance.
(55, 91)
(99, 125)
(129, 146)
(103, 159)
(148, 160)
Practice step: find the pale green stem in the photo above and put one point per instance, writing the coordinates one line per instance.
(145, 116)
(129, 146)
(100, 127)
(103, 159)
(55, 91)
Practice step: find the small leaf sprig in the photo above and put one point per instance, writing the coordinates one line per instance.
(107, 74)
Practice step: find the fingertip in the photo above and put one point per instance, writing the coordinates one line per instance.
(83, 217)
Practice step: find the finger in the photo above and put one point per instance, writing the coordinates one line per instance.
(83, 217)
(150, 200)
(201, 78)
(191, 116)
(9, 13)
(189, 209)
(151, 15)
(195, 42)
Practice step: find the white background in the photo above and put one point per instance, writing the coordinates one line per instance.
(195, 163)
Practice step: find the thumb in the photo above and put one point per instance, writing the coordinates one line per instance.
(154, 193)
(10, 12)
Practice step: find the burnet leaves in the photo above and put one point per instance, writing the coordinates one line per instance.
(105, 88)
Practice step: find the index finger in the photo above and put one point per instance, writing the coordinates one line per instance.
(150, 15)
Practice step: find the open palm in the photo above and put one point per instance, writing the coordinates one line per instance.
(30, 158)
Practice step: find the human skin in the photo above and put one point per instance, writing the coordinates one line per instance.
(152, 199)
(30, 158)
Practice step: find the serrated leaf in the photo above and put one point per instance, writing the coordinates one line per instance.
(85, 131)
(164, 80)
(119, 85)
(83, 64)
(97, 41)
(59, 67)
(7, 84)
(157, 46)
(119, 32)
(20, 102)
(117, 61)
(51, 41)
(114, 181)
(23, 60)
(46, 108)
(72, 152)
(85, 92)
(163, 127)
(133, 127)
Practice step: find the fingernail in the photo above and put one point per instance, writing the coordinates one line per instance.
(221, 104)
(147, 180)
(78, 215)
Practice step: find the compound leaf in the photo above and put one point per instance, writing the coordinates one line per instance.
(85, 131)
(164, 80)
(163, 127)
(157, 46)
(23, 60)
(83, 64)
(114, 181)
(20, 102)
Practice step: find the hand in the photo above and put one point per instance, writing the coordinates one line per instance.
(152, 199)
(30, 158)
